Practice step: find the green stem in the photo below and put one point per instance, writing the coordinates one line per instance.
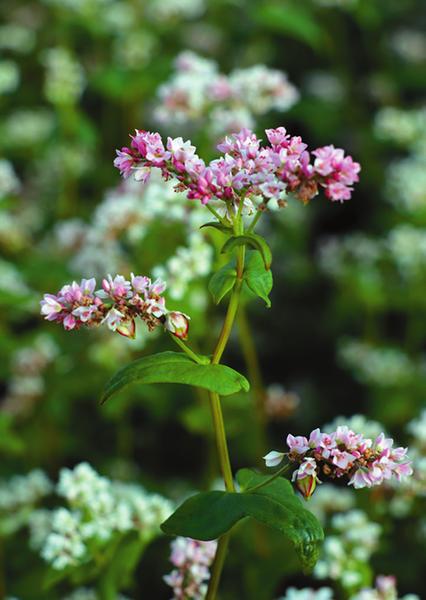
(217, 567)
(198, 359)
(219, 428)
(274, 476)
(254, 222)
(217, 215)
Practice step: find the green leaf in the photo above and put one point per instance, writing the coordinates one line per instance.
(209, 515)
(219, 226)
(175, 367)
(255, 241)
(223, 281)
(291, 18)
(257, 278)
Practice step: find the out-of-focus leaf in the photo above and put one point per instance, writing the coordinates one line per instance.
(291, 18)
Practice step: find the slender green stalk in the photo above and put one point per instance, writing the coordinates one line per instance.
(217, 416)
(254, 222)
(198, 359)
(217, 215)
(217, 567)
(274, 476)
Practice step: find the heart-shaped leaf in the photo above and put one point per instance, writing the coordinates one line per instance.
(209, 515)
(255, 241)
(175, 367)
(223, 281)
(257, 278)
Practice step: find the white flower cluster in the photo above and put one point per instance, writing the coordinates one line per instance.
(352, 542)
(359, 423)
(16, 38)
(339, 257)
(197, 91)
(385, 589)
(98, 509)
(188, 263)
(329, 499)
(406, 494)
(405, 177)
(407, 247)
(365, 260)
(26, 384)
(127, 213)
(402, 127)
(378, 366)
(409, 44)
(9, 183)
(324, 593)
(18, 498)
(25, 127)
(65, 79)
(9, 76)
(24, 490)
(11, 279)
(176, 9)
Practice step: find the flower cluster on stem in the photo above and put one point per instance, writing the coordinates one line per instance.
(246, 170)
(117, 304)
(342, 453)
(191, 559)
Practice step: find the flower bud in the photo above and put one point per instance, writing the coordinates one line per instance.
(127, 329)
(178, 324)
(306, 485)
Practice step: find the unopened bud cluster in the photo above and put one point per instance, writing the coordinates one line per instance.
(117, 304)
(342, 453)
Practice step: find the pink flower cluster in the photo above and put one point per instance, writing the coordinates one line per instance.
(246, 170)
(343, 453)
(118, 303)
(192, 560)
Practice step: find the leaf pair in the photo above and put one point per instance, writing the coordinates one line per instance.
(209, 515)
(256, 277)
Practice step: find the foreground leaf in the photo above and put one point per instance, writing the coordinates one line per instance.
(175, 367)
(257, 278)
(255, 241)
(209, 515)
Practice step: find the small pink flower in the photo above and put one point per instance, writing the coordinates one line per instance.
(298, 444)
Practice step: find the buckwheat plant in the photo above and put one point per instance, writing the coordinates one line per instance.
(240, 186)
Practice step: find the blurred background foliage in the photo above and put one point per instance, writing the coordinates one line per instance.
(345, 334)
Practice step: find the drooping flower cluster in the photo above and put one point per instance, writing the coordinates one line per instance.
(97, 511)
(246, 171)
(192, 559)
(117, 304)
(342, 453)
(198, 92)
